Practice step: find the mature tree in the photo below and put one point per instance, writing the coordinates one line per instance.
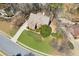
(56, 8)
(45, 30)
(56, 5)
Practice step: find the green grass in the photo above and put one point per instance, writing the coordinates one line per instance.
(34, 41)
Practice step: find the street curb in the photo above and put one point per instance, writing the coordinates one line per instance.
(6, 34)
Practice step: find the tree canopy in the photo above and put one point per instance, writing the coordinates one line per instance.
(45, 30)
(56, 5)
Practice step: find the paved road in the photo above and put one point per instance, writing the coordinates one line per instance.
(10, 47)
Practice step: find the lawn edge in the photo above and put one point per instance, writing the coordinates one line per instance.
(44, 54)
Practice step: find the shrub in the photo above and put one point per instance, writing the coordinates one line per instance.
(57, 35)
(70, 45)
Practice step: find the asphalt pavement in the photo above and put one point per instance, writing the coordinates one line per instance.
(11, 48)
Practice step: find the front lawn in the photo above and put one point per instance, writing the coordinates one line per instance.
(34, 41)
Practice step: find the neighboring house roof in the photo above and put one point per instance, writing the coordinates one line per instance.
(38, 19)
(65, 21)
(74, 29)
